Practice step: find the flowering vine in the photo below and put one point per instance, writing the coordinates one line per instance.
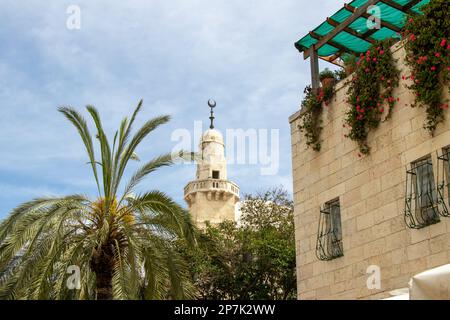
(312, 106)
(370, 93)
(427, 47)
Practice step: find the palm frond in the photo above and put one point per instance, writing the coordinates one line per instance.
(124, 133)
(148, 127)
(146, 169)
(105, 153)
(79, 122)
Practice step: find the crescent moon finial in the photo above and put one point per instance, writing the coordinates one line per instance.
(212, 105)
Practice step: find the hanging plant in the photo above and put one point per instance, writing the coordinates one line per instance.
(312, 106)
(370, 93)
(427, 45)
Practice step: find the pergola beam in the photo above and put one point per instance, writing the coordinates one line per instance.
(334, 57)
(406, 8)
(409, 6)
(356, 14)
(362, 11)
(368, 16)
(393, 4)
(314, 61)
(355, 33)
(334, 44)
(369, 33)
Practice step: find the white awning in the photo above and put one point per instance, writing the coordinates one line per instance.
(433, 284)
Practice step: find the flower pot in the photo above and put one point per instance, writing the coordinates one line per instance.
(349, 70)
(327, 82)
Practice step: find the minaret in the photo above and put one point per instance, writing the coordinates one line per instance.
(211, 197)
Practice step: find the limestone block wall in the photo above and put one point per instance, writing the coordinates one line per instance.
(371, 190)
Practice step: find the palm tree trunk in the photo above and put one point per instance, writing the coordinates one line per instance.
(102, 265)
(104, 285)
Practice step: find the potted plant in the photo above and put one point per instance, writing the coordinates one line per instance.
(327, 78)
(350, 65)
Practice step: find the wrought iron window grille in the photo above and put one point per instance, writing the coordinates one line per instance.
(329, 237)
(421, 199)
(443, 188)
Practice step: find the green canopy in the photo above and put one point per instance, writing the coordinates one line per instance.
(351, 30)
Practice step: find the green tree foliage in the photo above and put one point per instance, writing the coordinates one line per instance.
(123, 244)
(252, 260)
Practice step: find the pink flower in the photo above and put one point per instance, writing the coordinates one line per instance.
(381, 110)
(443, 42)
(433, 68)
(424, 58)
(381, 52)
(437, 54)
(412, 37)
(374, 59)
(448, 47)
(448, 68)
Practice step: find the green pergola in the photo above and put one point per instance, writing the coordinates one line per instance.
(353, 29)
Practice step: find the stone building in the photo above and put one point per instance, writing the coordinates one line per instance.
(379, 220)
(211, 196)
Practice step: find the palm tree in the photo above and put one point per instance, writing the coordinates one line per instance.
(123, 245)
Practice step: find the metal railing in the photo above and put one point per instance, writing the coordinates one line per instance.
(329, 237)
(421, 198)
(443, 188)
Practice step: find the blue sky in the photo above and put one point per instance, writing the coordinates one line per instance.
(174, 54)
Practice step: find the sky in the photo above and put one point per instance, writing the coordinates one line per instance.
(173, 54)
